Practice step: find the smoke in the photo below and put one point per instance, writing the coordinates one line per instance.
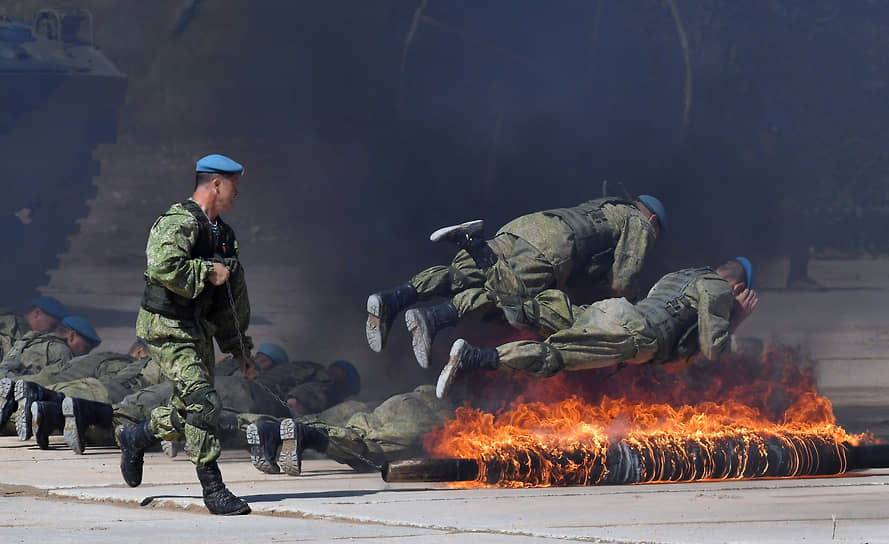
(359, 144)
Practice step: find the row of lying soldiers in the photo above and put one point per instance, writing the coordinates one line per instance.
(54, 381)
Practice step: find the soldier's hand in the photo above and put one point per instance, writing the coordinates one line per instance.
(219, 275)
(248, 366)
(746, 303)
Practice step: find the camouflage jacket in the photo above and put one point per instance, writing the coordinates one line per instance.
(307, 382)
(33, 352)
(12, 327)
(690, 312)
(402, 420)
(626, 239)
(170, 265)
(714, 300)
(104, 366)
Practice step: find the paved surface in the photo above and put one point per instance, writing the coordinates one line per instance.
(55, 496)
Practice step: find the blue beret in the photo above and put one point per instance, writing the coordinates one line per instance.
(354, 379)
(218, 164)
(748, 268)
(656, 208)
(82, 327)
(50, 305)
(274, 352)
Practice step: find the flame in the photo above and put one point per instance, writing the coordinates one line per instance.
(742, 417)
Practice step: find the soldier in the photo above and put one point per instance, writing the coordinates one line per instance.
(44, 315)
(195, 292)
(306, 387)
(601, 241)
(394, 430)
(686, 312)
(37, 350)
(240, 397)
(105, 376)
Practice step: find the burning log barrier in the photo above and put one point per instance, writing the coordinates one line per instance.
(627, 464)
(766, 420)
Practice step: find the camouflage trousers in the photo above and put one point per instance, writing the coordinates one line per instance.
(189, 368)
(603, 334)
(520, 273)
(394, 430)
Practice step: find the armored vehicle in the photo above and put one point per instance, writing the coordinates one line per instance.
(59, 98)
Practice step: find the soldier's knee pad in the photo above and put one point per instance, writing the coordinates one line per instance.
(211, 406)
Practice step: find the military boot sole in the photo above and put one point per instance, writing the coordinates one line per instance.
(170, 448)
(452, 369)
(290, 458)
(421, 335)
(454, 233)
(71, 432)
(259, 460)
(377, 328)
(22, 413)
(7, 404)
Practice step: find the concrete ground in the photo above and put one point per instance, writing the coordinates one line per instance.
(56, 496)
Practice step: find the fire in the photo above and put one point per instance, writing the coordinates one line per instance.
(739, 418)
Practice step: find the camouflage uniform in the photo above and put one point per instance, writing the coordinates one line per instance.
(307, 382)
(183, 343)
(686, 313)
(33, 352)
(106, 366)
(602, 241)
(12, 327)
(394, 430)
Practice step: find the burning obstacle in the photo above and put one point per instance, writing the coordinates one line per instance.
(751, 418)
(624, 463)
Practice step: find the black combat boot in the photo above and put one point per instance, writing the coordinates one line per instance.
(464, 357)
(424, 323)
(264, 438)
(46, 418)
(7, 400)
(133, 440)
(79, 415)
(471, 237)
(217, 497)
(25, 394)
(382, 308)
(462, 235)
(297, 437)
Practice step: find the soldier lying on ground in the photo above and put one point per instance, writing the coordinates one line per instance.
(601, 241)
(393, 430)
(306, 387)
(44, 315)
(106, 376)
(90, 420)
(36, 350)
(686, 312)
